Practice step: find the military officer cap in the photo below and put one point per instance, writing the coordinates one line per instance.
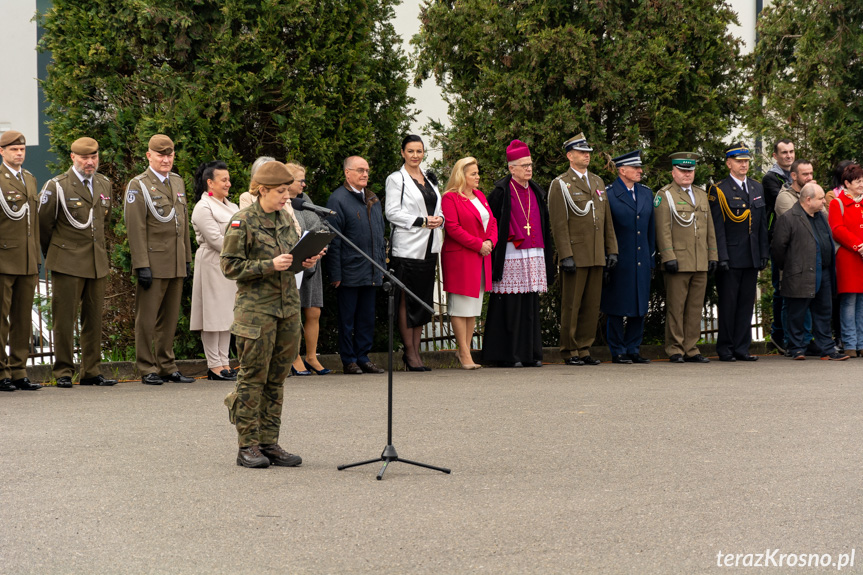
(85, 146)
(578, 142)
(161, 144)
(628, 159)
(738, 151)
(684, 160)
(273, 173)
(12, 138)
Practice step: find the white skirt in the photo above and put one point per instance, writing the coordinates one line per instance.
(464, 305)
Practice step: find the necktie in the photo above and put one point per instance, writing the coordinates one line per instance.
(89, 189)
(21, 177)
(632, 191)
(691, 195)
(745, 191)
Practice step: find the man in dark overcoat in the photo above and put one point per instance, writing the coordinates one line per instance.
(803, 250)
(626, 291)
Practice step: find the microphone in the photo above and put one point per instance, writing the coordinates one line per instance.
(301, 205)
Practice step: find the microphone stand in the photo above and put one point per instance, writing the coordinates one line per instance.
(389, 454)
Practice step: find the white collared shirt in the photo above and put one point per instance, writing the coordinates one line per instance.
(14, 172)
(579, 174)
(740, 183)
(83, 179)
(160, 176)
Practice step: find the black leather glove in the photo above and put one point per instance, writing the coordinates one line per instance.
(671, 267)
(610, 261)
(711, 267)
(764, 262)
(724, 266)
(145, 277)
(567, 265)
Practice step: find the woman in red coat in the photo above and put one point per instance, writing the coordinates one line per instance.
(470, 234)
(846, 222)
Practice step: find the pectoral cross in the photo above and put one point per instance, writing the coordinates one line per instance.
(527, 227)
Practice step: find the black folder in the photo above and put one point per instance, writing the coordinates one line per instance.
(309, 246)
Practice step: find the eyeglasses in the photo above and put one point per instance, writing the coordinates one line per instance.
(302, 182)
(361, 171)
(523, 166)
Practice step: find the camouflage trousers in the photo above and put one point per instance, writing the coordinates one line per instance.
(266, 347)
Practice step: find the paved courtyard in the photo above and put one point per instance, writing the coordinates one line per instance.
(607, 469)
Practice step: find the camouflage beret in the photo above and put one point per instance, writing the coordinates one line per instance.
(12, 138)
(273, 173)
(161, 144)
(85, 146)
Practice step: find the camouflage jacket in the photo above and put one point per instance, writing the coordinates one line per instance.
(252, 240)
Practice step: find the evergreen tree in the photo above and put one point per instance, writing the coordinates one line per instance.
(311, 81)
(661, 75)
(807, 80)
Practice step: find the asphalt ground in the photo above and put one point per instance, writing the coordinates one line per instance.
(608, 469)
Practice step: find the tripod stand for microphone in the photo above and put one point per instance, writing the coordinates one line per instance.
(389, 454)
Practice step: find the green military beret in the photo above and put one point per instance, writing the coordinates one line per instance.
(161, 144)
(85, 146)
(12, 138)
(273, 173)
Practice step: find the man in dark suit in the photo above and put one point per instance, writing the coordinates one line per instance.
(360, 218)
(74, 209)
(626, 291)
(739, 213)
(803, 249)
(157, 223)
(777, 177)
(19, 264)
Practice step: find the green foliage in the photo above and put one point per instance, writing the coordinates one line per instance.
(309, 80)
(663, 76)
(807, 77)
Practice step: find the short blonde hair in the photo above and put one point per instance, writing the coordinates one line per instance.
(295, 168)
(457, 181)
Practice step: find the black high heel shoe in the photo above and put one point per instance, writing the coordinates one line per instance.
(295, 372)
(212, 375)
(409, 367)
(323, 371)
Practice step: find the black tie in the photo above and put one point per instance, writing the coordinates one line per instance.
(745, 191)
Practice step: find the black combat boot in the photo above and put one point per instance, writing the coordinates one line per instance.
(279, 456)
(252, 457)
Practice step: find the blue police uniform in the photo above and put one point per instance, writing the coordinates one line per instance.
(626, 293)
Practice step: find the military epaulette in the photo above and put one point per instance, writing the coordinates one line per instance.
(608, 187)
(664, 188)
(140, 177)
(699, 188)
(104, 177)
(57, 178)
(26, 172)
(646, 188)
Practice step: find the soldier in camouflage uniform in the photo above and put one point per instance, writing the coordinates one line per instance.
(256, 253)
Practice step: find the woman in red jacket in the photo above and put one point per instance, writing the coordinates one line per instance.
(846, 223)
(470, 234)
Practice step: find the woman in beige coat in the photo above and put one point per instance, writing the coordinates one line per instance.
(212, 293)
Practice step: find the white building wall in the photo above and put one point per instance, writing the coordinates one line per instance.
(19, 98)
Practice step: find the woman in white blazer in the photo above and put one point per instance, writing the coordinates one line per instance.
(212, 293)
(413, 208)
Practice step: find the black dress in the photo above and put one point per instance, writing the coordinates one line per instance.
(418, 275)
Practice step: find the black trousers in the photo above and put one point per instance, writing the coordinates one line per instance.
(736, 290)
(821, 308)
